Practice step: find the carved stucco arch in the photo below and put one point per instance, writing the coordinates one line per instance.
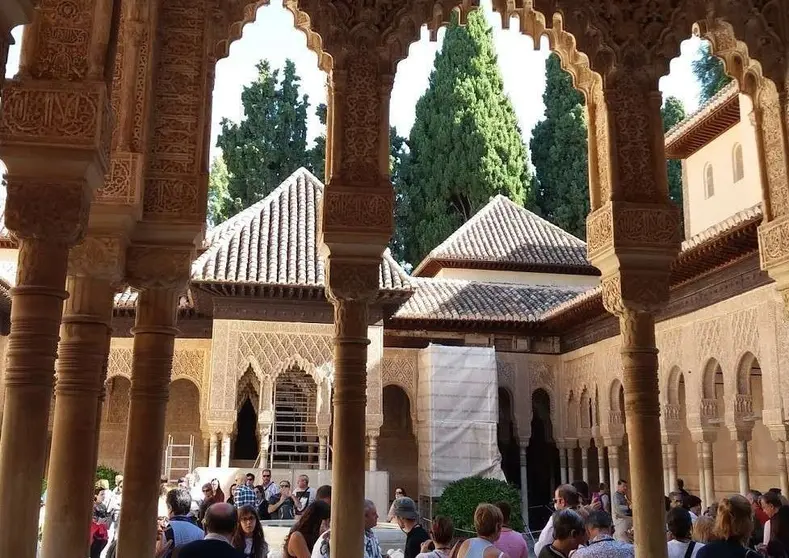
(710, 370)
(673, 378)
(571, 424)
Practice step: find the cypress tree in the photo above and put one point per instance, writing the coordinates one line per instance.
(269, 144)
(709, 72)
(559, 154)
(465, 145)
(673, 112)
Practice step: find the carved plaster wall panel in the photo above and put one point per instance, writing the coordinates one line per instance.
(400, 368)
(270, 348)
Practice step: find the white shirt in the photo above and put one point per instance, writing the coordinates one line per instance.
(546, 537)
(677, 549)
(767, 532)
(271, 490)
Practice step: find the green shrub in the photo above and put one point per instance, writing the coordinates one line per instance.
(108, 473)
(462, 497)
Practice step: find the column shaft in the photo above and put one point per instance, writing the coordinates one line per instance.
(671, 455)
(350, 384)
(665, 468)
(212, 450)
(37, 305)
(613, 463)
(709, 472)
(782, 476)
(265, 440)
(72, 466)
(373, 453)
(642, 411)
(702, 483)
(225, 458)
(742, 466)
(154, 338)
(585, 464)
(524, 488)
(322, 453)
(601, 470)
(563, 464)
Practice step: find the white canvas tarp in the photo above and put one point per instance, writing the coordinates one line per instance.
(457, 411)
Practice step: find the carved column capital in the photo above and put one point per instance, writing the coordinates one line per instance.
(158, 267)
(48, 210)
(56, 129)
(100, 256)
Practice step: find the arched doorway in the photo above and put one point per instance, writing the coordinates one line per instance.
(246, 445)
(762, 468)
(397, 448)
(508, 439)
(542, 458)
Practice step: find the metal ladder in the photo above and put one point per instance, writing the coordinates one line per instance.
(173, 461)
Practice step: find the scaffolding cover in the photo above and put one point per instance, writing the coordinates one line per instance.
(457, 406)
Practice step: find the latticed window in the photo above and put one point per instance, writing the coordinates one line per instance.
(294, 440)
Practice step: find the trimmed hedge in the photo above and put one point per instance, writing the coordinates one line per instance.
(462, 497)
(107, 473)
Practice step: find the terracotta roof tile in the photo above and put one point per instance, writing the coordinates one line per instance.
(717, 100)
(457, 300)
(275, 242)
(503, 232)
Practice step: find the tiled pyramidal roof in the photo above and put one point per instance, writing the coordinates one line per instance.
(511, 236)
(275, 242)
(455, 300)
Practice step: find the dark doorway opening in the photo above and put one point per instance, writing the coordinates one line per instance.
(542, 460)
(508, 440)
(246, 446)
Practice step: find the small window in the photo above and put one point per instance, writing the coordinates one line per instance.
(737, 164)
(709, 182)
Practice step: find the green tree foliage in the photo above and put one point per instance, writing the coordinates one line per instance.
(709, 72)
(559, 154)
(107, 473)
(673, 112)
(461, 498)
(269, 143)
(465, 145)
(218, 197)
(316, 155)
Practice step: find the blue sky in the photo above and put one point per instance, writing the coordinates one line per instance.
(274, 37)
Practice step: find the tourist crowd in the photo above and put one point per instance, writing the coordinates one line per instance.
(599, 526)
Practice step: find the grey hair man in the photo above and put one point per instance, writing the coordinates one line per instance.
(372, 548)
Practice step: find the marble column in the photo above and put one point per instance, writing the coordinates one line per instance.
(213, 442)
(350, 384)
(601, 470)
(642, 411)
(709, 472)
(702, 478)
(783, 479)
(225, 456)
(671, 458)
(563, 464)
(82, 354)
(154, 339)
(524, 486)
(373, 453)
(37, 304)
(666, 488)
(265, 441)
(322, 453)
(742, 466)
(613, 464)
(585, 464)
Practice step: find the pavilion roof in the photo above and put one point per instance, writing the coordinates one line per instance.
(455, 302)
(713, 118)
(505, 236)
(275, 243)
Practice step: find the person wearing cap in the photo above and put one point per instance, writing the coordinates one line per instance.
(407, 519)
